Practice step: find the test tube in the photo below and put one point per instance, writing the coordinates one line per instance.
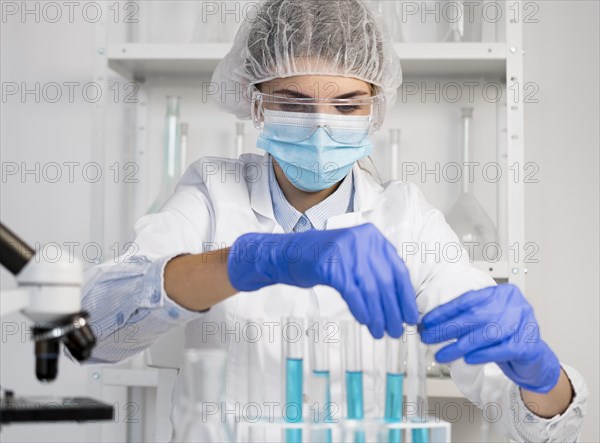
(184, 128)
(320, 372)
(256, 379)
(395, 153)
(354, 374)
(394, 384)
(416, 379)
(293, 348)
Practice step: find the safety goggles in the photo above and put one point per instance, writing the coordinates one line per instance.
(306, 115)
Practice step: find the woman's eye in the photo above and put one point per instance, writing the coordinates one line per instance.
(293, 107)
(348, 109)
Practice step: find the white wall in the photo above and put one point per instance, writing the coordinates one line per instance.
(36, 132)
(562, 210)
(561, 135)
(41, 212)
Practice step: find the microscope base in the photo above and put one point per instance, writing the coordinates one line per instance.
(46, 409)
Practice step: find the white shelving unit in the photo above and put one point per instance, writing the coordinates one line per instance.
(140, 62)
(143, 60)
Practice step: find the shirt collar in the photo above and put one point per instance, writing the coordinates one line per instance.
(340, 202)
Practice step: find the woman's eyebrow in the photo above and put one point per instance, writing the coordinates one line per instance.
(296, 94)
(291, 93)
(352, 94)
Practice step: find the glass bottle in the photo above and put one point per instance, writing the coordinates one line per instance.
(395, 153)
(203, 375)
(468, 219)
(209, 25)
(419, 26)
(460, 23)
(171, 154)
(239, 139)
(391, 11)
(235, 14)
(434, 369)
(454, 19)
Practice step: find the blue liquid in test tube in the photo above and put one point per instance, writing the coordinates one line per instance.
(354, 376)
(420, 435)
(354, 394)
(395, 349)
(354, 398)
(293, 396)
(394, 393)
(294, 383)
(319, 365)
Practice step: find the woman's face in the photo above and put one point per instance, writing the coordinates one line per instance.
(318, 87)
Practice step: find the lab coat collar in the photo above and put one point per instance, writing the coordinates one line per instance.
(260, 192)
(367, 194)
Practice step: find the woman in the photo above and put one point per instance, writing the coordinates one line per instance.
(306, 231)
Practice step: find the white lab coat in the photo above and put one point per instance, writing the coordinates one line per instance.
(218, 199)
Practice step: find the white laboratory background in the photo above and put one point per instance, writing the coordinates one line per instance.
(561, 136)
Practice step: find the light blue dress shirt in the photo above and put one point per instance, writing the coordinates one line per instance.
(292, 220)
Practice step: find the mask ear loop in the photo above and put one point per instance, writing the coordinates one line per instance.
(257, 109)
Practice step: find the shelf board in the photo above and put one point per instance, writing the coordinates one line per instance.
(143, 60)
(444, 59)
(442, 387)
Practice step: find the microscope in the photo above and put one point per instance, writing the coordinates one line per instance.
(48, 293)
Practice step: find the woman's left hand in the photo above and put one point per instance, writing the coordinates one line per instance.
(494, 324)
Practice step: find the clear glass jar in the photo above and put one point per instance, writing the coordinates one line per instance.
(171, 166)
(469, 220)
(202, 398)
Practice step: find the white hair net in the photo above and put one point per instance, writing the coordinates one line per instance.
(285, 38)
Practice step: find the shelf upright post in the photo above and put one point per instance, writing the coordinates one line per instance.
(139, 197)
(138, 32)
(136, 431)
(98, 154)
(515, 139)
(502, 185)
(94, 431)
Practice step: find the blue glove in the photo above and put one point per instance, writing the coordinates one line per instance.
(494, 324)
(359, 262)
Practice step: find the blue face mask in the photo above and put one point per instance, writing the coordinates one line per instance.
(315, 151)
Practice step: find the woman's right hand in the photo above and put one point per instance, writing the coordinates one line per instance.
(359, 262)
